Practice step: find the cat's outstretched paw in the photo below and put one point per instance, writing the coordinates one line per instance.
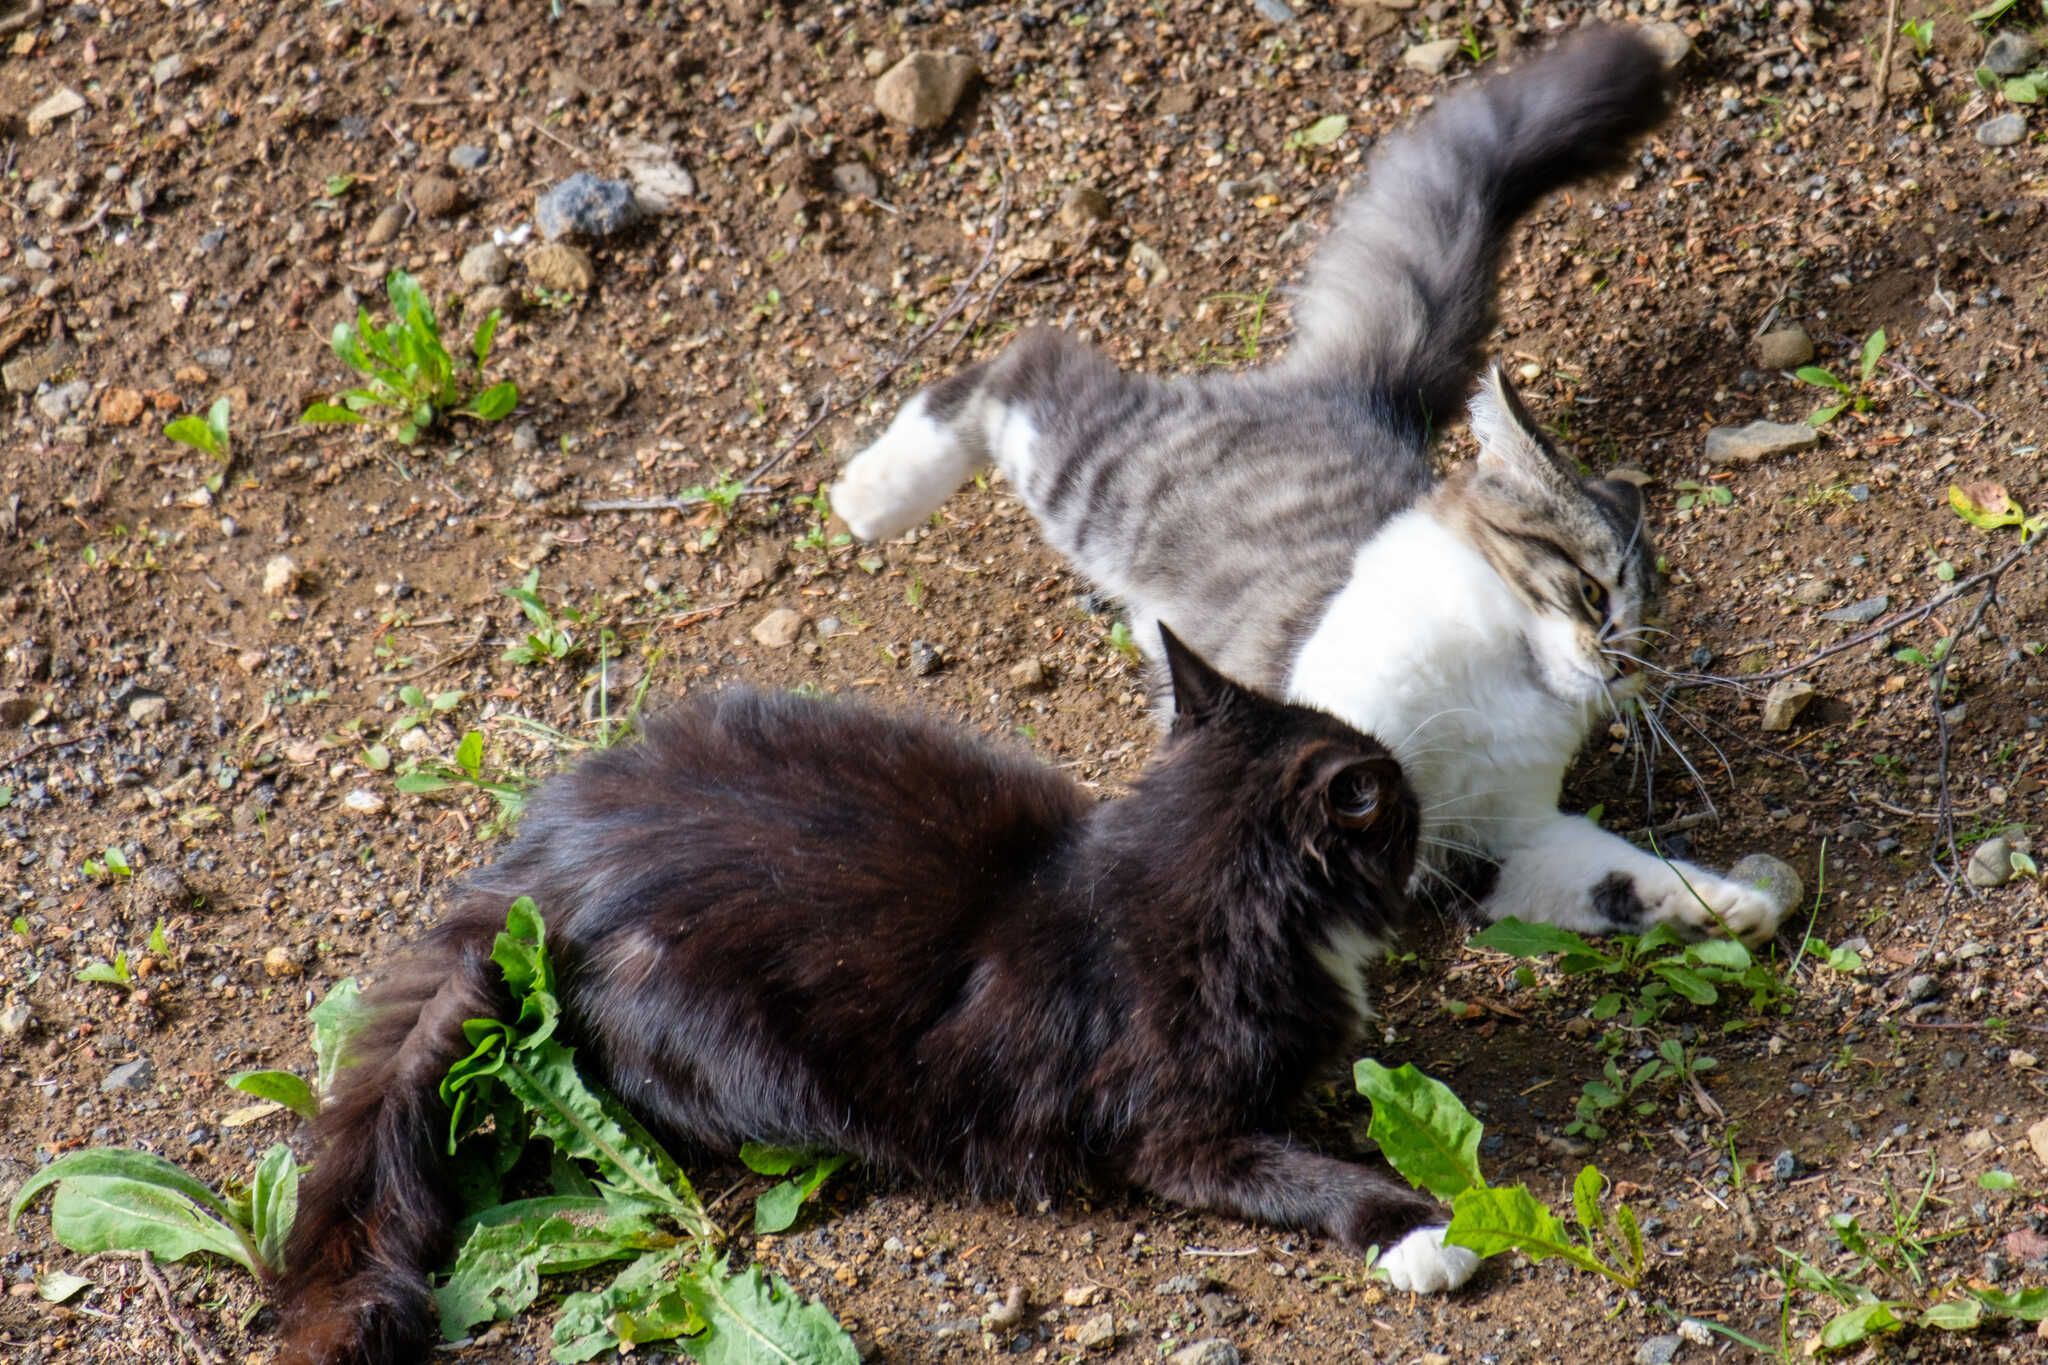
(1749, 903)
(896, 482)
(1420, 1263)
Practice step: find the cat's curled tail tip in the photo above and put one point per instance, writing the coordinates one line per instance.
(1420, 1263)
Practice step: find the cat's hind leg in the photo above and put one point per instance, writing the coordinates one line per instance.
(1272, 1179)
(995, 412)
(1574, 874)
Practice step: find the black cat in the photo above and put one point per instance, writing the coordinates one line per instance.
(817, 925)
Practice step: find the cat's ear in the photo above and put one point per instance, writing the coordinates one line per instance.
(1361, 793)
(1510, 442)
(1197, 688)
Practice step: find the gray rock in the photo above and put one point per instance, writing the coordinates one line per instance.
(1784, 703)
(60, 403)
(2004, 130)
(1925, 986)
(853, 179)
(1278, 12)
(468, 158)
(1748, 444)
(35, 258)
(1213, 1351)
(1860, 613)
(1671, 42)
(1785, 348)
(1096, 1334)
(925, 659)
(147, 708)
(1991, 863)
(1660, 1350)
(25, 372)
(135, 1075)
(1181, 1284)
(168, 69)
(526, 437)
(16, 1020)
(586, 205)
(1785, 1166)
(1814, 591)
(2011, 52)
(925, 88)
(1773, 876)
(485, 263)
(1430, 58)
(51, 111)
(778, 629)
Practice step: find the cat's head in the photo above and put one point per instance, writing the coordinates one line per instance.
(1298, 779)
(1575, 550)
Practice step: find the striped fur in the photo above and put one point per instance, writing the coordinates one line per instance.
(1287, 519)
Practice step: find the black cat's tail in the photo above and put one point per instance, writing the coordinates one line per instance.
(1400, 296)
(376, 1212)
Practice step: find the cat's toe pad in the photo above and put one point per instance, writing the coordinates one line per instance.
(896, 482)
(1420, 1263)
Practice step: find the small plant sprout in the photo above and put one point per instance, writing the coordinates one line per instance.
(546, 642)
(819, 504)
(115, 973)
(410, 380)
(1322, 133)
(508, 790)
(208, 435)
(1989, 507)
(111, 865)
(1694, 494)
(1920, 33)
(1857, 398)
(1123, 642)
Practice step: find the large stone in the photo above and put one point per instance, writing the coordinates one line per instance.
(1991, 863)
(1097, 1333)
(484, 263)
(2003, 131)
(1748, 444)
(135, 1075)
(1431, 58)
(1784, 703)
(1786, 348)
(1671, 42)
(559, 266)
(2011, 52)
(23, 373)
(778, 629)
(1860, 613)
(53, 110)
(1213, 1351)
(1771, 875)
(925, 88)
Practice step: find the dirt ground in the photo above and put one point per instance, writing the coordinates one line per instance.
(169, 689)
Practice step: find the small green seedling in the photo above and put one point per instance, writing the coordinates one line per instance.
(1472, 46)
(1433, 1141)
(1857, 398)
(819, 505)
(111, 865)
(1123, 642)
(422, 707)
(2028, 88)
(1920, 33)
(547, 642)
(1692, 493)
(208, 435)
(508, 790)
(1989, 507)
(115, 973)
(411, 381)
(776, 1209)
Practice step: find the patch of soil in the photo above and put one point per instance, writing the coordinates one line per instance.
(241, 177)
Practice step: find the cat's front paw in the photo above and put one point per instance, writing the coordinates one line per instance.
(896, 482)
(1420, 1263)
(1703, 903)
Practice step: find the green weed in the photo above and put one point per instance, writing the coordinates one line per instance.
(546, 641)
(410, 380)
(431, 776)
(208, 435)
(1856, 398)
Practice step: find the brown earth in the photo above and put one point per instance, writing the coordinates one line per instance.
(187, 233)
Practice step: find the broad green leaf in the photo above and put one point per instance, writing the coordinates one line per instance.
(274, 1204)
(193, 431)
(280, 1087)
(777, 1208)
(2028, 1305)
(1954, 1315)
(1490, 1221)
(1523, 939)
(327, 414)
(643, 1298)
(1586, 1200)
(1631, 1236)
(480, 342)
(1996, 1180)
(422, 784)
(469, 754)
(1985, 505)
(497, 1272)
(125, 1163)
(1814, 374)
(751, 1319)
(2025, 89)
(1726, 953)
(95, 1213)
(217, 421)
(335, 1021)
(1858, 1325)
(1822, 416)
(1322, 132)
(1688, 983)
(762, 1159)
(1421, 1127)
(1873, 351)
(493, 403)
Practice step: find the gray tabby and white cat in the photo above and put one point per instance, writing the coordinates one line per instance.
(1288, 523)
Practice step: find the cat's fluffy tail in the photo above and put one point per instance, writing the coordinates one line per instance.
(376, 1212)
(1400, 296)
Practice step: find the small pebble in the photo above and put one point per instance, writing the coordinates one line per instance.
(2003, 131)
(468, 158)
(279, 962)
(363, 801)
(925, 659)
(280, 576)
(485, 263)
(135, 1075)
(778, 629)
(1784, 1167)
(585, 205)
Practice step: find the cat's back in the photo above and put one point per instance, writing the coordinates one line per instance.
(743, 795)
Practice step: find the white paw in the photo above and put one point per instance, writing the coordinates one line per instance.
(897, 482)
(1704, 902)
(1420, 1263)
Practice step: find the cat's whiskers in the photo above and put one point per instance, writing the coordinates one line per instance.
(1664, 736)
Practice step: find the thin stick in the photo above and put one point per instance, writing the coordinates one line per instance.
(556, 138)
(163, 1292)
(1900, 367)
(1884, 61)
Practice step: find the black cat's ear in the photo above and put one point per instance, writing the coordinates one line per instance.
(1197, 688)
(1361, 793)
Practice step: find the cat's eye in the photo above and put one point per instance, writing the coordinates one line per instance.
(1594, 595)
(1356, 794)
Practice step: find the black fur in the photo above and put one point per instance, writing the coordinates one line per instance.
(812, 924)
